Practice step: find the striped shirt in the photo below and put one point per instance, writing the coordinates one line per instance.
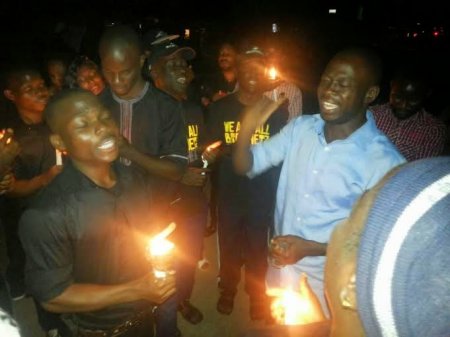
(419, 136)
(293, 94)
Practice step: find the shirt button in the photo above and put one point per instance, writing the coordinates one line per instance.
(326, 148)
(315, 171)
(306, 195)
(298, 218)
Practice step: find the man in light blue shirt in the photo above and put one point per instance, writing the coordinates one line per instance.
(329, 161)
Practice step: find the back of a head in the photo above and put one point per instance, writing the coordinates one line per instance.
(403, 268)
(120, 35)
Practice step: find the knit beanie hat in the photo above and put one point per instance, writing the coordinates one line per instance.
(403, 267)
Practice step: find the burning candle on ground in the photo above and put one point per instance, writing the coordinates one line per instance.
(160, 249)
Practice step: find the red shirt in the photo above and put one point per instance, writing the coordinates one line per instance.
(419, 136)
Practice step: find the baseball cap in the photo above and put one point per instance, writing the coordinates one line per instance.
(160, 50)
(156, 36)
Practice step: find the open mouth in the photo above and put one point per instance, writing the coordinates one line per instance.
(107, 144)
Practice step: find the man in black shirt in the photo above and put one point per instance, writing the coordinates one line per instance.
(85, 235)
(170, 73)
(245, 207)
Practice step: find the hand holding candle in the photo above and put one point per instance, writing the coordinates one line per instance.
(210, 154)
(290, 307)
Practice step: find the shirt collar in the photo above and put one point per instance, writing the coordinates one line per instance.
(133, 100)
(362, 135)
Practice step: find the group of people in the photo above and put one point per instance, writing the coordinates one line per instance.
(96, 166)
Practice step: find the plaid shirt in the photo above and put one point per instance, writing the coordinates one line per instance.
(419, 136)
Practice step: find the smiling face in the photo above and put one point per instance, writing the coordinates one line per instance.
(121, 66)
(89, 78)
(172, 75)
(85, 129)
(346, 89)
(251, 74)
(28, 92)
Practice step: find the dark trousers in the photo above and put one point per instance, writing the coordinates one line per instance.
(16, 256)
(166, 318)
(5, 299)
(189, 240)
(242, 241)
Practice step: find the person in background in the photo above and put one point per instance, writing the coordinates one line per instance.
(415, 132)
(145, 115)
(56, 67)
(170, 73)
(328, 161)
(86, 235)
(85, 74)
(224, 81)
(245, 207)
(34, 168)
(9, 149)
(282, 86)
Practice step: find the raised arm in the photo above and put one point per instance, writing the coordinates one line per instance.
(252, 118)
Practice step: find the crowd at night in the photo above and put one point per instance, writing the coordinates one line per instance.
(311, 140)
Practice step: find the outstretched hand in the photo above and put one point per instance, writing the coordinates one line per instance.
(289, 249)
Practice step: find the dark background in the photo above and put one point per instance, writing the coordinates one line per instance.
(400, 30)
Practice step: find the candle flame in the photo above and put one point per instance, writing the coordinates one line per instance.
(214, 145)
(158, 245)
(290, 307)
(273, 73)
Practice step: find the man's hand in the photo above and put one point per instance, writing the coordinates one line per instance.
(257, 114)
(194, 176)
(6, 183)
(289, 249)
(156, 290)
(9, 149)
(50, 174)
(211, 152)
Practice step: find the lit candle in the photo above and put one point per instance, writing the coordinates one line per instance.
(291, 307)
(159, 250)
(58, 157)
(210, 148)
(273, 73)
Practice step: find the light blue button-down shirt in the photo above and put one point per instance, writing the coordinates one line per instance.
(319, 183)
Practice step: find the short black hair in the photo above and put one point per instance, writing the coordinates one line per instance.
(52, 110)
(122, 35)
(371, 59)
(15, 72)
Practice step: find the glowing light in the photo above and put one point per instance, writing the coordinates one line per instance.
(436, 33)
(273, 73)
(159, 250)
(332, 11)
(187, 34)
(58, 157)
(290, 307)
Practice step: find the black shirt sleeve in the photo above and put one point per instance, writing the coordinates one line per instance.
(49, 262)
